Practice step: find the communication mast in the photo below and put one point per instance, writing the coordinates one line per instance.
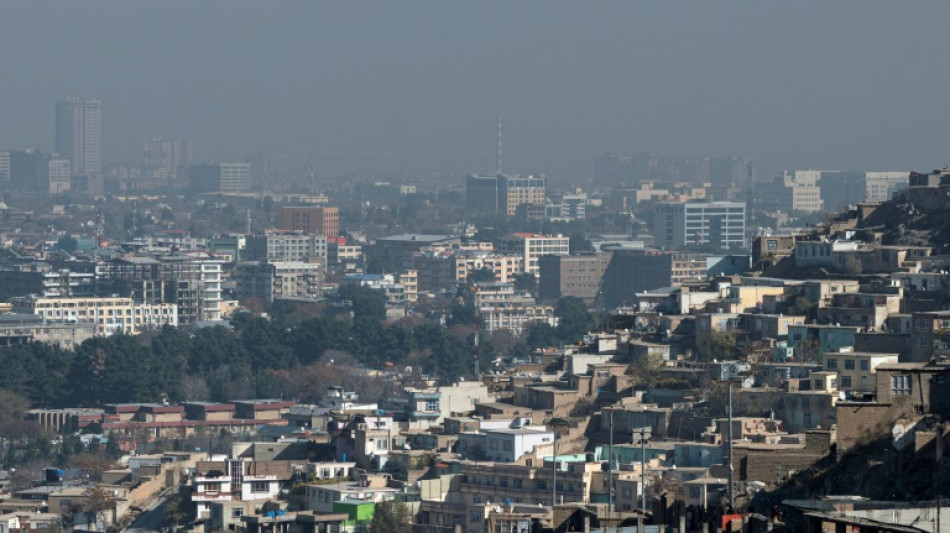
(99, 223)
(477, 321)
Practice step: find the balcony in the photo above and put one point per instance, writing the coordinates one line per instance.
(247, 479)
(211, 496)
(212, 479)
(425, 414)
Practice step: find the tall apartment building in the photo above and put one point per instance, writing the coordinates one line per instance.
(481, 193)
(831, 190)
(395, 252)
(318, 220)
(632, 271)
(108, 315)
(721, 224)
(531, 246)
(220, 177)
(23, 165)
(4, 166)
(175, 156)
(436, 269)
(271, 280)
(571, 275)
(286, 246)
(192, 283)
(42, 279)
(78, 134)
(504, 194)
(32, 170)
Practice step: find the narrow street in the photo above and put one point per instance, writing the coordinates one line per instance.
(153, 516)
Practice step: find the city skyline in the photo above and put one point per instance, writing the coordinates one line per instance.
(416, 87)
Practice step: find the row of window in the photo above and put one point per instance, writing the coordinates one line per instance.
(832, 364)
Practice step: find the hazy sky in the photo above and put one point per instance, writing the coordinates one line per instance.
(846, 84)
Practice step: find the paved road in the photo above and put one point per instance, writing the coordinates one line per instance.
(152, 517)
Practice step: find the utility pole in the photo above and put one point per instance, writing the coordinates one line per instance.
(643, 473)
(554, 473)
(643, 465)
(731, 465)
(610, 469)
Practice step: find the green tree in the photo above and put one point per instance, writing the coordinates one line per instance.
(542, 335)
(170, 348)
(214, 347)
(463, 313)
(177, 510)
(647, 369)
(583, 408)
(481, 275)
(526, 281)
(391, 517)
(722, 346)
(366, 302)
(574, 320)
(266, 342)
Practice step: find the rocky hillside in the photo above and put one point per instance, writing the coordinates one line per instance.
(901, 221)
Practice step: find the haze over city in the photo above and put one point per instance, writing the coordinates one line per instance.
(417, 86)
(481, 267)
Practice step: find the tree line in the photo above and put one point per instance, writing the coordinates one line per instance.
(289, 355)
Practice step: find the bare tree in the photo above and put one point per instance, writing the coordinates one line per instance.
(195, 389)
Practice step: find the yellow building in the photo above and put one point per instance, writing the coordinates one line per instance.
(856, 370)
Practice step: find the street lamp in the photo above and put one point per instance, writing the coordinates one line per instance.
(643, 468)
(610, 469)
(731, 495)
(555, 423)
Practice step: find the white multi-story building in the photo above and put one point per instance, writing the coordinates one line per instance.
(107, 315)
(505, 267)
(286, 246)
(881, 186)
(220, 177)
(508, 445)
(721, 224)
(531, 246)
(78, 134)
(806, 191)
(572, 207)
(516, 319)
(233, 480)
(52, 174)
(210, 282)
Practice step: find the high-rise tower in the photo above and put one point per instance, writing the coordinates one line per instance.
(78, 135)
